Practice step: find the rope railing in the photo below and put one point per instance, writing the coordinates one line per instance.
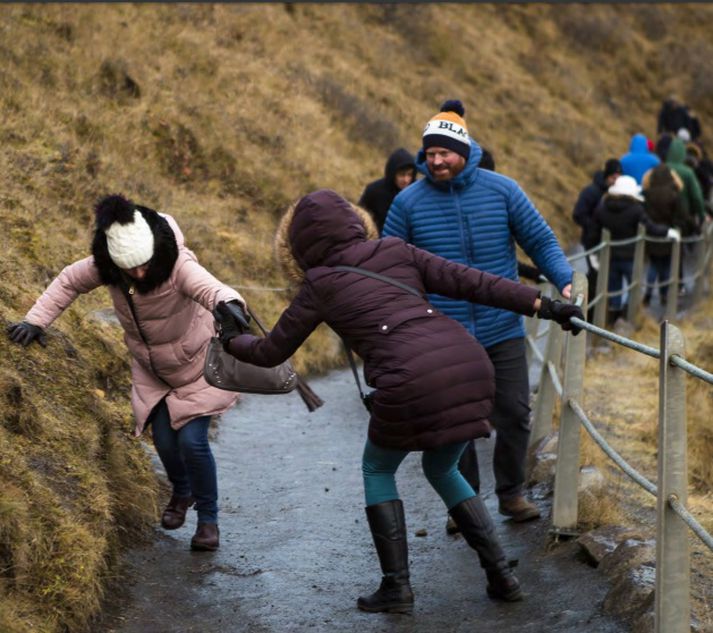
(673, 519)
(615, 457)
(690, 520)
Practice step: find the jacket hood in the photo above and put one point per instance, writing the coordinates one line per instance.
(639, 144)
(463, 178)
(598, 180)
(316, 228)
(618, 204)
(676, 151)
(160, 265)
(398, 159)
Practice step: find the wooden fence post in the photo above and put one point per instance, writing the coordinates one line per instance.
(564, 507)
(672, 602)
(637, 277)
(546, 392)
(700, 265)
(600, 310)
(672, 288)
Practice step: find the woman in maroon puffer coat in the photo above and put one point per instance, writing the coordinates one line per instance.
(433, 382)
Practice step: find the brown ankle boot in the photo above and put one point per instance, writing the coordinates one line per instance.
(206, 538)
(519, 508)
(175, 513)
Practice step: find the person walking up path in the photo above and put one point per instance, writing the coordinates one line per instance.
(638, 160)
(476, 217)
(162, 297)
(399, 173)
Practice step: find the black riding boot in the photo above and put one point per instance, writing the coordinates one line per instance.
(478, 530)
(388, 529)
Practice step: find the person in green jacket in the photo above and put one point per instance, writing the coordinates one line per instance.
(691, 194)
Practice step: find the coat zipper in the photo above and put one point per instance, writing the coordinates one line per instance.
(465, 245)
(132, 308)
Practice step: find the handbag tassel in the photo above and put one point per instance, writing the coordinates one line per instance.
(309, 397)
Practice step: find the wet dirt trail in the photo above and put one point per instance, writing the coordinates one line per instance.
(296, 550)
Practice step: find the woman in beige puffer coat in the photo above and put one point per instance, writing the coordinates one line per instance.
(163, 299)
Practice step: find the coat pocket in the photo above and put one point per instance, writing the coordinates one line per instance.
(393, 321)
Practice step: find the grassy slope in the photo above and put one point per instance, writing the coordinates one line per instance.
(222, 116)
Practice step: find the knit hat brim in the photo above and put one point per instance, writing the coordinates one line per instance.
(447, 132)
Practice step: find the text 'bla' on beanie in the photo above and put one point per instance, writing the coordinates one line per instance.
(447, 129)
(130, 245)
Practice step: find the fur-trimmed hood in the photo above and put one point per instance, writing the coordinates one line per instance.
(118, 209)
(326, 221)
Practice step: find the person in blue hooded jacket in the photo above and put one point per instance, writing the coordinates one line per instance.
(638, 160)
(477, 217)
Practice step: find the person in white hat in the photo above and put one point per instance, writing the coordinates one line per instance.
(163, 299)
(621, 211)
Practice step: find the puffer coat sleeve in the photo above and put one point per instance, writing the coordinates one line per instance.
(458, 281)
(75, 279)
(295, 324)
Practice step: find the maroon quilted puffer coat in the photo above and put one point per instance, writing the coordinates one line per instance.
(434, 382)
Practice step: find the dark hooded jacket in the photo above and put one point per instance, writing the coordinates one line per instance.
(587, 201)
(377, 195)
(622, 216)
(434, 382)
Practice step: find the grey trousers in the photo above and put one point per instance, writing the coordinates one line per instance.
(510, 418)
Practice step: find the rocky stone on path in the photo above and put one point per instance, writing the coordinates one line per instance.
(630, 553)
(632, 594)
(602, 541)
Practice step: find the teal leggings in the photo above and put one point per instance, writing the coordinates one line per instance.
(440, 465)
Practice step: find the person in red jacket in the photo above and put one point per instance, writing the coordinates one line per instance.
(433, 382)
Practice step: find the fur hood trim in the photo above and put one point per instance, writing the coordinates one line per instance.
(283, 253)
(160, 265)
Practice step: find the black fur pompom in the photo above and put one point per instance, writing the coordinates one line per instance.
(453, 105)
(114, 208)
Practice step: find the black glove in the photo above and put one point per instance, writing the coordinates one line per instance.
(232, 320)
(24, 333)
(561, 313)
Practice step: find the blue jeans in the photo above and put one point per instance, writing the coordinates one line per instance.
(620, 271)
(440, 465)
(659, 267)
(188, 460)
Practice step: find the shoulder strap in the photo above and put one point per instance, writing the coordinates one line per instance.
(380, 277)
(347, 349)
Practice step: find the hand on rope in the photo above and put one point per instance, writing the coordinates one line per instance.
(561, 313)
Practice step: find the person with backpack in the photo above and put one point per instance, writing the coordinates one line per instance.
(433, 382)
(621, 211)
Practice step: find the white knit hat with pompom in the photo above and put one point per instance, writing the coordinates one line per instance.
(131, 244)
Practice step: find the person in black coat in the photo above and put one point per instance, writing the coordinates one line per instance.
(583, 214)
(621, 211)
(399, 173)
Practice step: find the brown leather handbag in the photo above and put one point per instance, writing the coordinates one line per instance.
(224, 371)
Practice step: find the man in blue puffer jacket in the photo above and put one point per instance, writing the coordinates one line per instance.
(476, 217)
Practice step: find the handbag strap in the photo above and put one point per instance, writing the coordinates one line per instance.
(380, 277)
(252, 315)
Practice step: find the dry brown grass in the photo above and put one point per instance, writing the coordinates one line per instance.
(223, 115)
